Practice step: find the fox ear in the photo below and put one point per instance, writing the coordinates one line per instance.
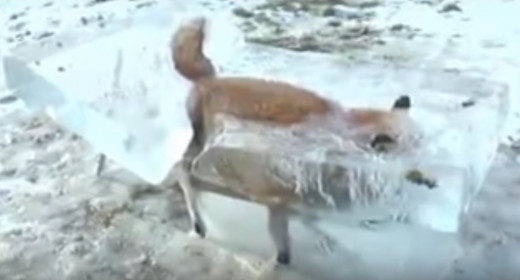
(402, 103)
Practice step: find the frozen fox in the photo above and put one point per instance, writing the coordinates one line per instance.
(276, 103)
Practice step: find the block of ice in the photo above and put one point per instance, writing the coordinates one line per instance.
(458, 140)
(117, 89)
(375, 206)
(109, 91)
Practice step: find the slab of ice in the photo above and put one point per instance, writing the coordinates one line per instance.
(405, 232)
(457, 146)
(460, 120)
(118, 89)
(131, 123)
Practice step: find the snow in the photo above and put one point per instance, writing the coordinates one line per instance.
(58, 221)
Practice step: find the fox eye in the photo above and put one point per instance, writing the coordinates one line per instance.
(382, 142)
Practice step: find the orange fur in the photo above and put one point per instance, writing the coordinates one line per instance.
(251, 98)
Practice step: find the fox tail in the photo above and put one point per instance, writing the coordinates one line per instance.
(187, 51)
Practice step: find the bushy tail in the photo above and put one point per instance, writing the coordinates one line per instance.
(187, 51)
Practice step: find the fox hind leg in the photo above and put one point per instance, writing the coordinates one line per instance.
(190, 196)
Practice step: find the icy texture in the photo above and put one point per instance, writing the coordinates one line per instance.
(142, 137)
(128, 103)
(117, 89)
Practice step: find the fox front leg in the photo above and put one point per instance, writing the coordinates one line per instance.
(101, 164)
(279, 229)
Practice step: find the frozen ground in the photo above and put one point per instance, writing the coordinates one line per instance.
(58, 221)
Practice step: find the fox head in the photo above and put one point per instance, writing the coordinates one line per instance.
(382, 130)
(383, 141)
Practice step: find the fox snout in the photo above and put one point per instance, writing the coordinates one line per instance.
(383, 142)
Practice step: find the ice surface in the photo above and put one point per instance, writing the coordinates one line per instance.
(123, 128)
(118, 89)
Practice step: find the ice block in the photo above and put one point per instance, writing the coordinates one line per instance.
(459, 120)
(377, 213)
(117, 89)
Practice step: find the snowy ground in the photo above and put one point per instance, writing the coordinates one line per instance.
(58, 221)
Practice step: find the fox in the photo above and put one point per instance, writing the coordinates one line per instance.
(258, 100)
